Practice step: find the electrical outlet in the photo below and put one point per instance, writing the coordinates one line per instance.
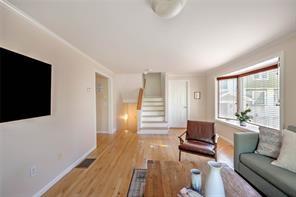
(33, 171)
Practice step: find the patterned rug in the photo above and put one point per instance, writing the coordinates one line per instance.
(137, 185)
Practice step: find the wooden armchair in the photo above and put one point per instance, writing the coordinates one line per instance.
(201, 139)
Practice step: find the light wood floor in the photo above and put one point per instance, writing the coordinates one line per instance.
(116, 157)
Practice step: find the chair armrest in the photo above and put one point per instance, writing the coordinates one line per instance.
(180, 137)
(216, 138)
(244, 142)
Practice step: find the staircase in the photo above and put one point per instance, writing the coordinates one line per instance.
(152, 119)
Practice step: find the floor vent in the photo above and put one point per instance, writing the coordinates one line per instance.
(85, 163)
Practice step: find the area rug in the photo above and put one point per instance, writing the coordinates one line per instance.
(137, 184)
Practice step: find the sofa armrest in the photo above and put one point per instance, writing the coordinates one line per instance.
(244, 142)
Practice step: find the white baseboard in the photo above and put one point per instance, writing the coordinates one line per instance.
(62, 174)
(114, 130)
(103, 132)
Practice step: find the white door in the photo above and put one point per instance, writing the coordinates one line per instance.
(178, 103)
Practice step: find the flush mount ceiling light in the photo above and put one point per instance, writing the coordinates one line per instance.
(167, 8)
(148, 70)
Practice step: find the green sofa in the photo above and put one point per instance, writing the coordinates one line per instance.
(269, 180)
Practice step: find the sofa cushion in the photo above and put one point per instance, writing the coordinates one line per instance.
(269, 142)
(279, 177)
(292, 128)
(287, 157)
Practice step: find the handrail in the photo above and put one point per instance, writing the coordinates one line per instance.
(144, 85)
(140, 99)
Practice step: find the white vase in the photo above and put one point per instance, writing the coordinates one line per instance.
(242, 123)
(214, 185)
(196, 179)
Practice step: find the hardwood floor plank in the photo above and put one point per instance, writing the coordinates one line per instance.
(116, 157)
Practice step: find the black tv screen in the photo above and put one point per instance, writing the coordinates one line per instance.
(25, 87)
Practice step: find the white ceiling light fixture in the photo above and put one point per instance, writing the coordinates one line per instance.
(167, 8)
(148, 70)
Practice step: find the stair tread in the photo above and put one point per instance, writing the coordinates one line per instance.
(154, 128)
(152, 101)
(152, 116)
(153, 110)
(149, 104)
(153, 105)
(159, 99)
(154, 122)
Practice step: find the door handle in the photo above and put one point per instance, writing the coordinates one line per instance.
(185, 107)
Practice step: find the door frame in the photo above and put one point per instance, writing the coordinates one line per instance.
(188, 101)
(110, 106)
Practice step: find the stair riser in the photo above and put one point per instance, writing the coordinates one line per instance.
(153, 113)
(155, 132)
(153, 125)
(153, 104)
(153, 99)
(153, 108)
(152, 118)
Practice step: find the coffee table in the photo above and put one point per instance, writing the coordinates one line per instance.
(166, 178)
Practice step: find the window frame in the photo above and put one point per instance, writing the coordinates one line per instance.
(237, 99)
(239, 88)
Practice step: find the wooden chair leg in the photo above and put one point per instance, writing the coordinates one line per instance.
(179, 155)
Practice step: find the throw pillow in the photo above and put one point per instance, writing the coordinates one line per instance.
(287, 157)
(269, 142)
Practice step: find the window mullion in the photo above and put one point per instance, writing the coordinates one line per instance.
(239, 95)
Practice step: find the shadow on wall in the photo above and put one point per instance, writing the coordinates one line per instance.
(102, 103)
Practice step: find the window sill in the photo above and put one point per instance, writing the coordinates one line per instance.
(235, 124)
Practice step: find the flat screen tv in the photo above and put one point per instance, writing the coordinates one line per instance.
(25, 87)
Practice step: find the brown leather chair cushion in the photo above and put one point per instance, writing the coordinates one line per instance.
(198, 147)
(202, 131)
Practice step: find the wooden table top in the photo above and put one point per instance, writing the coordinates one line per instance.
(166, 178)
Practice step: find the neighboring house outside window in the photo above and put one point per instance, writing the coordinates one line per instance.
(261, 76)
(255, 97)
(259, 91)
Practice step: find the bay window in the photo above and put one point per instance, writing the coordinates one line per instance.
(257, 90)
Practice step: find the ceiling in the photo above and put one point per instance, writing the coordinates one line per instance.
(127, 37)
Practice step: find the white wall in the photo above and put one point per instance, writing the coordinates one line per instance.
(285, 46)
(52, 143)
(153, 85)
(197, 106)
(128, 85)
(127, 89)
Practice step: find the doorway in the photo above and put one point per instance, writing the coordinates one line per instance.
(178, 103)
(102, 104)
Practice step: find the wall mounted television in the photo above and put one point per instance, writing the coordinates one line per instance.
(25, 87)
